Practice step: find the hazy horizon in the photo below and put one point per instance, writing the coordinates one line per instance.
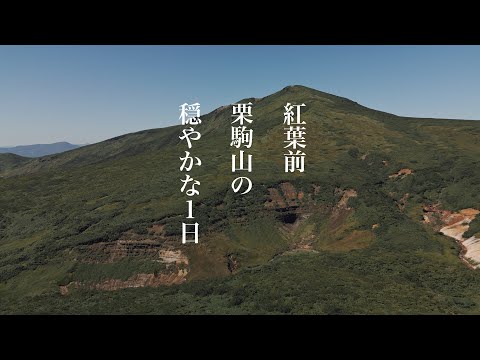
(87, 94)
(34, 144)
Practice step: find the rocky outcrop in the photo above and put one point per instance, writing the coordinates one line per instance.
(135, 281)
(458, 225)
(347, 194)
(289, 192)
(454, 225)
(173, 257)
(142, 280)
(288, 197)
(151, 247)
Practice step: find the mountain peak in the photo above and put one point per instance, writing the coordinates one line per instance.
(305, 90)
(293, 87)
(297, 88)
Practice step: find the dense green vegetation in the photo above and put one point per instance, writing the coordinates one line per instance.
(376, 282)
(55, 206)
(474, 228)
(9, 161)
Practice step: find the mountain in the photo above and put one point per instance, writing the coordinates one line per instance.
(39, 149)
(383, 220)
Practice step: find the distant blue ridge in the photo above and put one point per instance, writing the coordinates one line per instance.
(38, 150)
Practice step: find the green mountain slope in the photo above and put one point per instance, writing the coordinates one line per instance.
(79, 230)
(9, 161)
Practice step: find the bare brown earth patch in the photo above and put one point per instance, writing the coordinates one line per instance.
(341, 210)
(286, 198)
(275, 199)
(301, 195)
(402, 173)
(289, 193)
(454, 225)
(157, 229)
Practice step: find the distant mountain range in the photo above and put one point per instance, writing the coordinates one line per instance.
(38, 150)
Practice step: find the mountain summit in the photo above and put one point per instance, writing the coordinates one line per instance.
(383, 220)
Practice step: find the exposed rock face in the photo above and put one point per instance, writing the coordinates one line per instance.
(472, 246)
(128, 245)
(289, 197)
(341, 210)
(173, 256)
(64, 290)
(152, 247)
(143, 280)
(276, 200)
(135, 281)
(289, 192)
(455, 225)
(458, 225)
(347, 194)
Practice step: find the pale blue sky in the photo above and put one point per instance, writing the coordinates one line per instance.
(85, 94)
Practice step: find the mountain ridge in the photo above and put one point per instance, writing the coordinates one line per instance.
(218, 116)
